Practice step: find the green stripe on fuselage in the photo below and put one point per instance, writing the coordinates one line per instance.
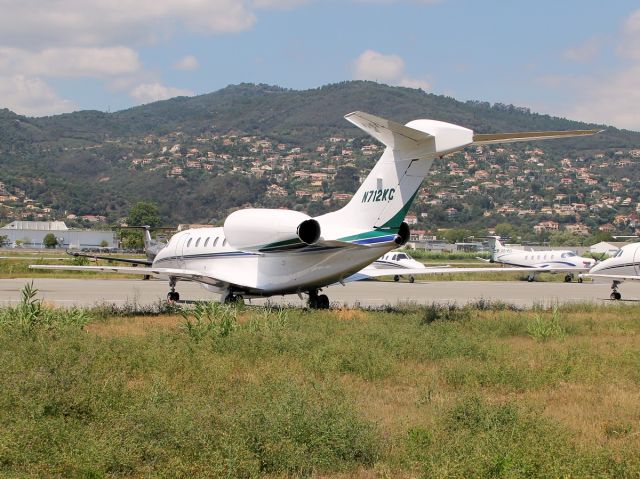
(390, 227)
(398, 218)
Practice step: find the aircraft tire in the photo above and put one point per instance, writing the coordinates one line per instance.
(396, 278)
(323, 302)
(411, 279)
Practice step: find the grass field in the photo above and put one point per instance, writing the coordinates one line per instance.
(220, 391)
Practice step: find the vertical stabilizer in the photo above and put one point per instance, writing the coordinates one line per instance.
(379, 206)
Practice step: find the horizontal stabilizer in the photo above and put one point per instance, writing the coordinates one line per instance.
(487, 139)
(388, 132)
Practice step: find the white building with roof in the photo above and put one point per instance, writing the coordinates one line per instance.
(30, 234)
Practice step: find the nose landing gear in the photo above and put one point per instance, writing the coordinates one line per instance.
(173, 295)
(615, 294)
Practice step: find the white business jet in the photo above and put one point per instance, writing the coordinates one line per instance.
(265, 252)
(550, 261)
(625, 265)
(398, 264)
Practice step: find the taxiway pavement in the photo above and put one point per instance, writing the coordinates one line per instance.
(88, 292)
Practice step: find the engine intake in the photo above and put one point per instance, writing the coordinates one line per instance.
(404, 233)
(269, 229)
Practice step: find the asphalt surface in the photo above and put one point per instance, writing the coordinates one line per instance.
(88, 292)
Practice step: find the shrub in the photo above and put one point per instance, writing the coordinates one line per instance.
(447, 312)
(30, 315)
(542, 328)
(209, 319)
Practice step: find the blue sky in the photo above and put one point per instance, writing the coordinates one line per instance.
(578, 59)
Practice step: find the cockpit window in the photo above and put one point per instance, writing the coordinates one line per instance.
(568, 255)
(619, 253)
(401, 256)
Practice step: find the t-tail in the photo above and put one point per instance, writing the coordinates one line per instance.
(495, 246)
(377, 210)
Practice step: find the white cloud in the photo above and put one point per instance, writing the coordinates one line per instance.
(390, 69)
(187, 63)
(31, 96)
(70, 62)
(149, 92)
(629, 46)
(613, 100)
(278, 4)
(585, 52)
(371, 65)
(612, 95)
(36, 24)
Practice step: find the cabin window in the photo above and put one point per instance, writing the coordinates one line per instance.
(215, 242)
(395, 256)
(526, 257)
(206, 242)
(189, 242)
(224, 243)
(198, 242)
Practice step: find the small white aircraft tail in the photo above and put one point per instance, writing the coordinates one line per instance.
(495, 245)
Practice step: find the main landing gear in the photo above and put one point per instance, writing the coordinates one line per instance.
(231, 298)
(615, 294)
(173, 295)
(396, 278)
(317, 301)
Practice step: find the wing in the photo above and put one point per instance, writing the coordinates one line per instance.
(181, 274)
(369, 273)
(112, 258)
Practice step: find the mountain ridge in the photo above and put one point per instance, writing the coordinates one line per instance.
(82, 161)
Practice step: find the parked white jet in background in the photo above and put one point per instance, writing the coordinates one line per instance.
(397, 260)
(265, 252)
(625, 265)
(549, 261)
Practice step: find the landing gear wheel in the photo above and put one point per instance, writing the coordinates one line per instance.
(615, 294)
(173, 296)
(323, 301)
(580, 280)
(568, 278)
(317, 301)
(411, 279)
(233, 299)
(530, 278)
(396, 278)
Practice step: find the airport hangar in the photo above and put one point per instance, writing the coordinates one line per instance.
(31, 234)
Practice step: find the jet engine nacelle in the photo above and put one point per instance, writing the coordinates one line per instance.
(404, 233)
(267, 229)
